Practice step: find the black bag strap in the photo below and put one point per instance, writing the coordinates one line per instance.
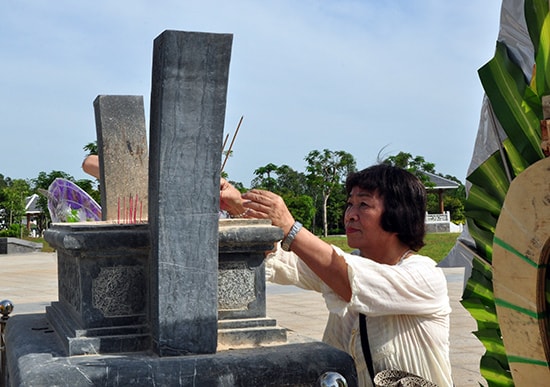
(365, 344)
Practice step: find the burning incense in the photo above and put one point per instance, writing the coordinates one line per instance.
(129, 210)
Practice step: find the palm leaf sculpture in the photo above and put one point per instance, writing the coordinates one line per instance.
(514, 111)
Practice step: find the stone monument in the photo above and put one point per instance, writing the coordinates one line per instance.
(179, 300)
(123, 157)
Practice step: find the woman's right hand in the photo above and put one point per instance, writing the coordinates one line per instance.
(267, 205)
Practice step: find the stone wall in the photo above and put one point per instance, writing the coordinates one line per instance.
(438, 227)
(18, 246)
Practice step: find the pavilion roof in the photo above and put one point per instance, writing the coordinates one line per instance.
(31, 204)
(440, 182)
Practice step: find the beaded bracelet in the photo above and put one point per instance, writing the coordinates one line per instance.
(242, 215)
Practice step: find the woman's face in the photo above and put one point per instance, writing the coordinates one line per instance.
(362, 221)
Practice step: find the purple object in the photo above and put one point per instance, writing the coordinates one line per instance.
(67, 202)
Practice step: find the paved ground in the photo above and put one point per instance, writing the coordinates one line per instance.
(30, 282)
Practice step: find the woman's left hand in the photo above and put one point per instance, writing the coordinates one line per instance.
(267, 205)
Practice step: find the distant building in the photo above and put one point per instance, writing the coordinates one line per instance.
(440, 185)
(32, 213)
(441, 222)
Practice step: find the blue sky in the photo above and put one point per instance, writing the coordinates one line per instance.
(367, 77)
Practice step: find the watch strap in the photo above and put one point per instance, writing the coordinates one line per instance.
(287, 241)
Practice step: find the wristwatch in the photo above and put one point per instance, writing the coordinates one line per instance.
(287, 241)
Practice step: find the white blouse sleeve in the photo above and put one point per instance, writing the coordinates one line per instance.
(286, 268)
(415, 287)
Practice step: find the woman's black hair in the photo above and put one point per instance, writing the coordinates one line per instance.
(404, 198)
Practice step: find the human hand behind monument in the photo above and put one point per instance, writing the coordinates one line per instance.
(230, 200)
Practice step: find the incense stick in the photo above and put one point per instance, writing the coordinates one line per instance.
(128, 212)
(232, 142)
(225, 142)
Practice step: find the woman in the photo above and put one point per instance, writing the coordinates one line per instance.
(402, 294)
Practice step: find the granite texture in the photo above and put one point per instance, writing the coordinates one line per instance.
(123, 157)
(102, 287)
(241, 278)
(188, 98)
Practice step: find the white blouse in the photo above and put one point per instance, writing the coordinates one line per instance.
(406, 305)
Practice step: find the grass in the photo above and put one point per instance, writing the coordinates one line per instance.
(437, 246)
(46, 248)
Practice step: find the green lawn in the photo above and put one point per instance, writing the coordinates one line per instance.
(437, 246)
(46, 248)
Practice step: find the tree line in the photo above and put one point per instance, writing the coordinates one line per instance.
(315, 196)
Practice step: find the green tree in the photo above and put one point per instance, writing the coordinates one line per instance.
(416, 165)
(336, 206)
(280, 179)
(291, 186)
(12, 201)
(91, 148)
(301, 207)
(327, 171)
(454, 201)
(265, 177)
(289, 180)
(3, 181)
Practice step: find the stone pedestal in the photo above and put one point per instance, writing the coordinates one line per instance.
(102, 284)
(36, 358)
(242, 317)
